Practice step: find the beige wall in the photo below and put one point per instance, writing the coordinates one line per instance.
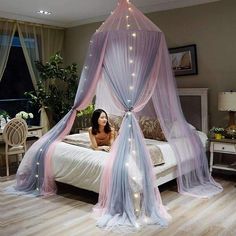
(212, 27)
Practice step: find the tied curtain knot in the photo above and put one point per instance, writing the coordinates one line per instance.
(129, 110)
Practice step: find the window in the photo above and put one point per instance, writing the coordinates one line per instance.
(15, 82)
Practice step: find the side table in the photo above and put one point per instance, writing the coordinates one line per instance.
(35, 131)
(222, 146)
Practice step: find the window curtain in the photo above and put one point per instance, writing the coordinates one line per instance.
(52, 42)
(7, 31)
(39, 43)
(29, 39)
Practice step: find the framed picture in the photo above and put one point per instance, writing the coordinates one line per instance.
(184, 60)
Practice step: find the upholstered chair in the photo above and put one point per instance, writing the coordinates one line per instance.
(14, 137)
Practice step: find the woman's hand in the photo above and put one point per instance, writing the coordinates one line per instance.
(106, 148)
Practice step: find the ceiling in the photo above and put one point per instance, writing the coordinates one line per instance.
(69, 13)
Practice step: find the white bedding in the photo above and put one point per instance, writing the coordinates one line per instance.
(82, 167)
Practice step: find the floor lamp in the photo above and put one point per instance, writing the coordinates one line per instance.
(227, 102)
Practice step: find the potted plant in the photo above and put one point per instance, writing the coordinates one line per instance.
(26, 116)
(217, 132)
(84, 117)
(56, 88)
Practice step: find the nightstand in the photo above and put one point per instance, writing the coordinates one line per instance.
(222, 146)
(35, 131)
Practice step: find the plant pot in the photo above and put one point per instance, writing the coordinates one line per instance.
(218, 136)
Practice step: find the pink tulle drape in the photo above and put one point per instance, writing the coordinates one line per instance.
(34, 174)
(129, 57)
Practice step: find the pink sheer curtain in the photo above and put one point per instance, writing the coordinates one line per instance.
(130, 53)
(34, 174)
(133, 77)
(127, 194)
(193, 172)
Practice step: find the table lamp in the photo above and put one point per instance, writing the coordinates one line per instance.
(227, 102)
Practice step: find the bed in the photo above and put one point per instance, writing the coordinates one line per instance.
(80, 166)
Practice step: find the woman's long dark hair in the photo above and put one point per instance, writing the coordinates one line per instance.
(94, 122)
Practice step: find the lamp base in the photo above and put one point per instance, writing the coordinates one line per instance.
(231, 123)
(231, 129)
(231, 132)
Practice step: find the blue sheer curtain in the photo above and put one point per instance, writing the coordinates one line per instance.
(129, 70)
(34, 174)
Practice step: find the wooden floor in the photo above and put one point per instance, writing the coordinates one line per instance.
(69, 213)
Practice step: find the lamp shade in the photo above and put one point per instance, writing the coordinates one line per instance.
(227, 101)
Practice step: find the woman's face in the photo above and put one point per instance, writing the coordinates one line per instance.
(102, 120)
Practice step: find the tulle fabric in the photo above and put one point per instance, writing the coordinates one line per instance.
(193, 172)
(34, 174)
(129, 58)
(128, 198)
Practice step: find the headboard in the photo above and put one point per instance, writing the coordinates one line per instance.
(194, 103)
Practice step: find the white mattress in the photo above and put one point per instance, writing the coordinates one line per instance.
(78, 166)
(82, 167)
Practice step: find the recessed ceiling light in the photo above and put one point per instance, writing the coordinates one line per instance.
(44, 12)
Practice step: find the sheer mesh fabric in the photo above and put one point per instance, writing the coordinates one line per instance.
(128, 56)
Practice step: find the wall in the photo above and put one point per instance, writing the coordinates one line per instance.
(212, 27)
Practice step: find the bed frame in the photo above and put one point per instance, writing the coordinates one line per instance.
(196, 98)
(194, 103)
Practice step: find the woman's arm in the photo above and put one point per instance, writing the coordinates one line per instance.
(112, 136)
(94, 144)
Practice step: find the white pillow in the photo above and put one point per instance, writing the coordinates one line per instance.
(78, 139)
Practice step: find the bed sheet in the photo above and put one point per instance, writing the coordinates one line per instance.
(82, 167)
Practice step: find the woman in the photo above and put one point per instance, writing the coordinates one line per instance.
(101, 134)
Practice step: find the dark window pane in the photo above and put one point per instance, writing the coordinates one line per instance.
(16, 78)
(15, 82)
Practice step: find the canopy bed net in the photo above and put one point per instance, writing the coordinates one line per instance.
(128, 63)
